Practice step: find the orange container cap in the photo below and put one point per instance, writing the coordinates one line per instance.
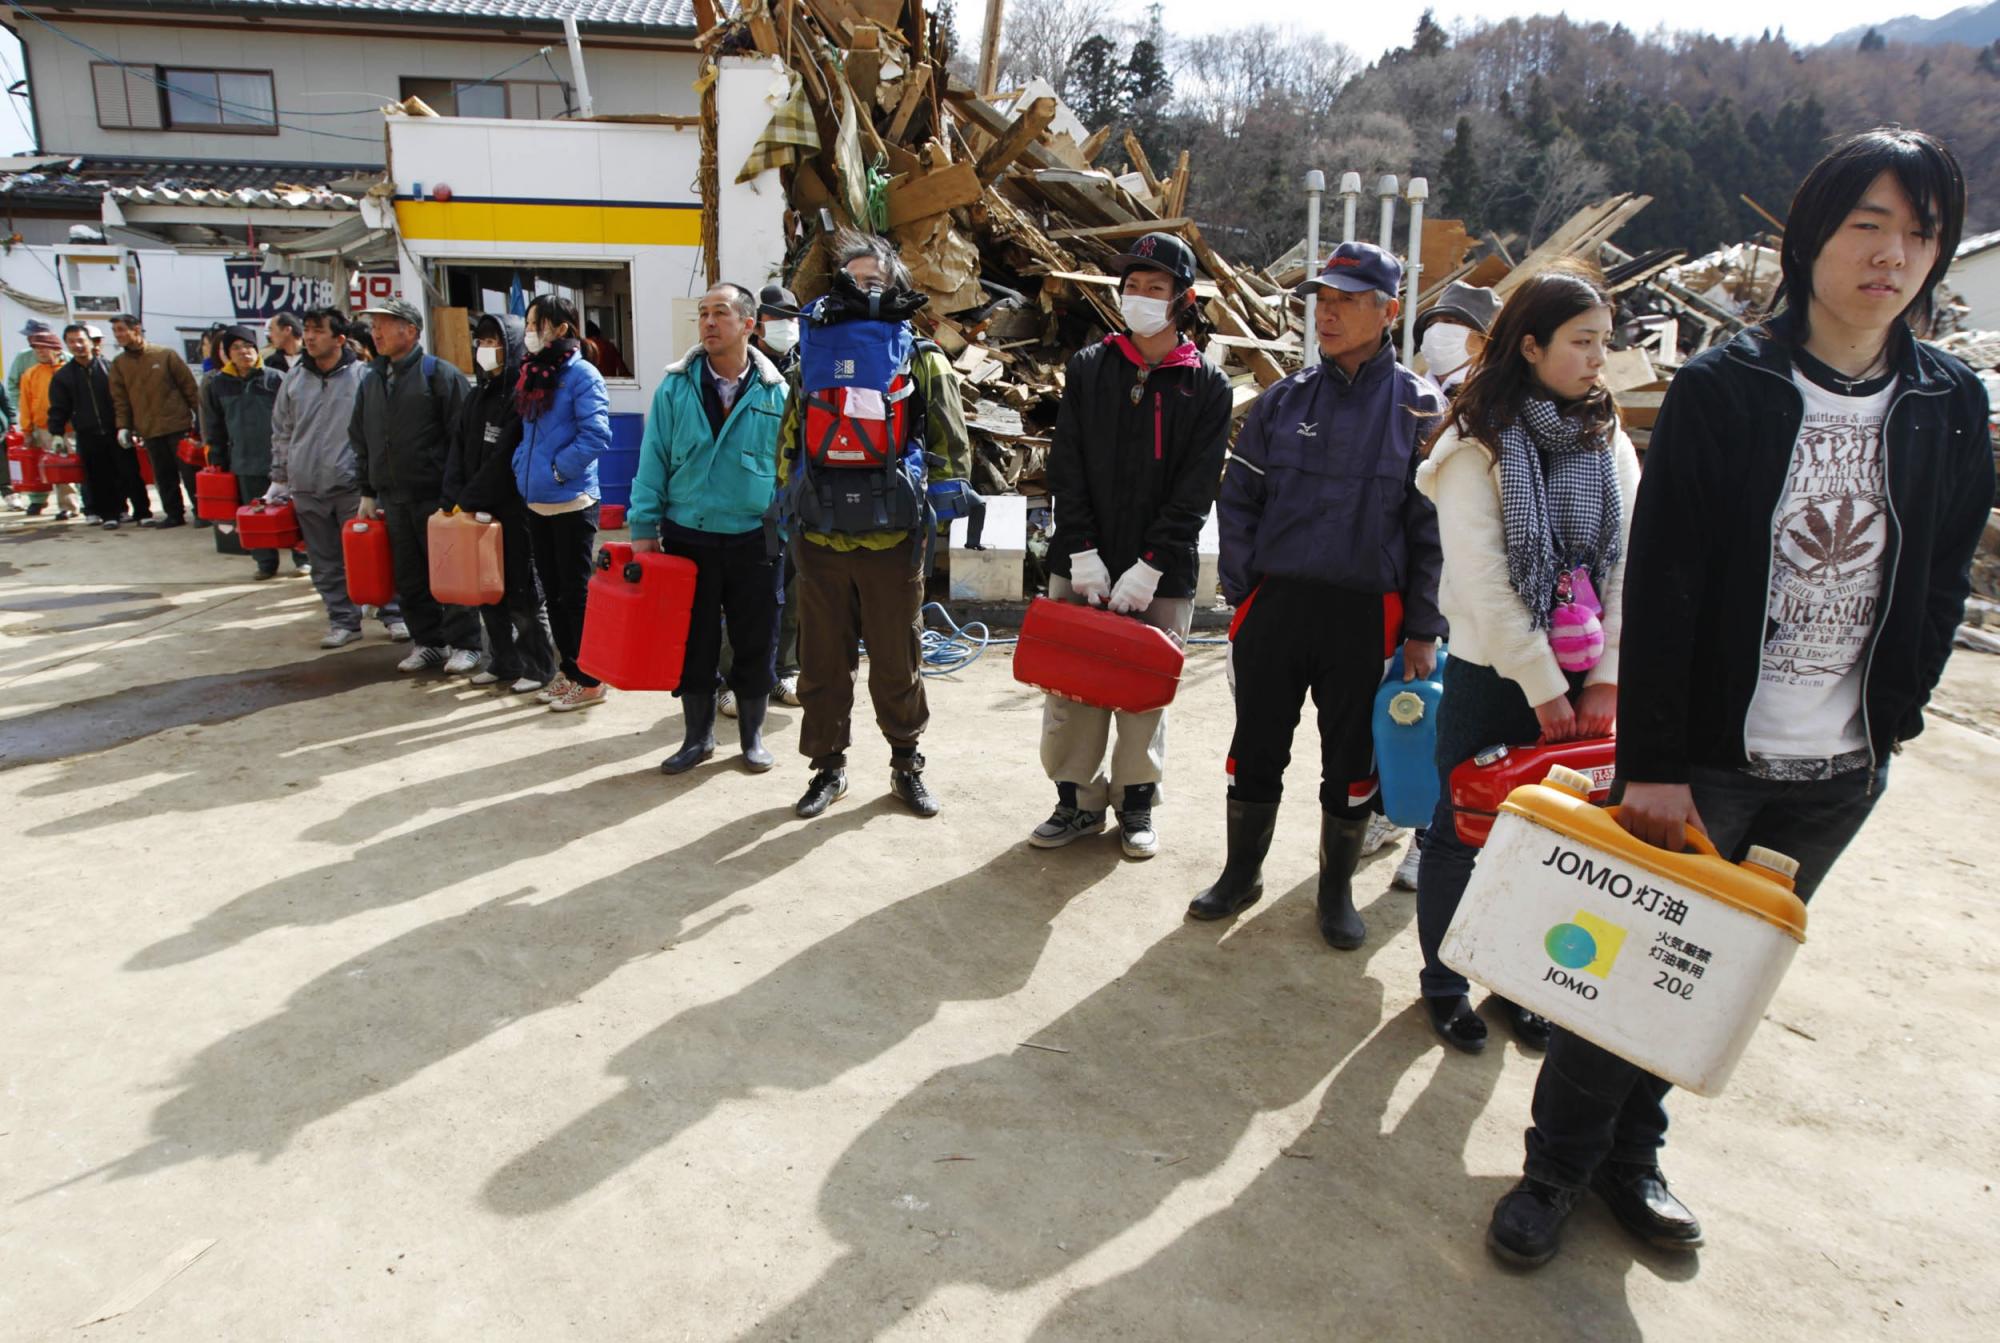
(1758, 889)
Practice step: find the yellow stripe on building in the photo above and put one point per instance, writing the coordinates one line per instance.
(605, 225)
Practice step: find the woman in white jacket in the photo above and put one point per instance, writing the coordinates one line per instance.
(1533, 482)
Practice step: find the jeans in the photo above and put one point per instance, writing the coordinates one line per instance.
(1592, 1106)
(1479, 708)
(563, 545)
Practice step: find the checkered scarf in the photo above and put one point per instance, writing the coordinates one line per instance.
(1559, 499)
(792, 135)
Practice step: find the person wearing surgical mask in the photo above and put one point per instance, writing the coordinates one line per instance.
(1451, 333)
(777, 333)
(479, 479)
(1133, 466)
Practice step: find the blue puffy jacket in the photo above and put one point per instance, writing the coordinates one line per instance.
(1321, 486)
(556, 459)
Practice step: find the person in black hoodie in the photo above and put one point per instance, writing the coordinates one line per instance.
(1801, 545)
(1134, 465)
(479, 478)
(80, 407)
(237, 401)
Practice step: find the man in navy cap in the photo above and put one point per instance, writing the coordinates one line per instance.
(1331, 558)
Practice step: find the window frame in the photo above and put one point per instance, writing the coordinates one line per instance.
(128, 71)
(216, 127)
(506, 88)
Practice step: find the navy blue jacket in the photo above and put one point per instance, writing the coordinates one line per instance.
(1321, 486)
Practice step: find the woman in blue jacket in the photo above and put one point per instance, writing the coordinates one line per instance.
(565, 425)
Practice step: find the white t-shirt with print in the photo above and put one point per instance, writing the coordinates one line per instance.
(1829, 550)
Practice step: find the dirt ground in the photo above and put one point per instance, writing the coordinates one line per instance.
(436, 1016)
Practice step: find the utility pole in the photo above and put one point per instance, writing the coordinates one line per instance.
(989, 50)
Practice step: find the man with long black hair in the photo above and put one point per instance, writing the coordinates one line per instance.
(1813, 495)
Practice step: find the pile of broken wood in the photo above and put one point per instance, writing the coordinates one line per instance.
(997, 206)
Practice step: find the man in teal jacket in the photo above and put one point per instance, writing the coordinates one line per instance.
(707, 473)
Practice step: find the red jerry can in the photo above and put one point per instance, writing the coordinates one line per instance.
(611, 518)
(1481, 784)
(262, 527)
(24, 465)
(215, 494)
(138, 449)
(635, 622)
(193, 452)
(1096, 657)
(364, 548)
(62, 468)
(468, 564)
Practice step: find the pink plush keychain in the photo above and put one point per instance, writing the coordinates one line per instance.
(1575, 632)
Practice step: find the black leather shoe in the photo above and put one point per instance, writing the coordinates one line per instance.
(1531, 1031)
(750, 710)
(1340, 841)
(1455, 1023)
(1249, 828)
(1639, 1198)
(1526, 1229)
(161, 524)
(698, 743)
(828, 786)
(906, 780)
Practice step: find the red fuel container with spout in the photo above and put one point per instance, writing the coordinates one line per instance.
(1481, 784)
(24, 465)
(192, 451)
(364, 550)
(62, 468)
(215, 495)
(635, 622)
(259, 526)
(1097, 657)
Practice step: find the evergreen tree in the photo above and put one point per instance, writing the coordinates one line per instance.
(1096, 89)
(1460, 171)
(1430, 39)
(1541, 120)
(1873, 41)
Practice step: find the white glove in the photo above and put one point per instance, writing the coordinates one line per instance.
(366, 509)
(1088, 578)
(277, 494)
(1135, 589)
(124, 438)
(69, 444)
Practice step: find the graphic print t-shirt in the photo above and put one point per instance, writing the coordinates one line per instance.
(1829, 552)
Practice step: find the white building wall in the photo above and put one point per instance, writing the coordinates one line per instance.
(177, 296)
(320, 72)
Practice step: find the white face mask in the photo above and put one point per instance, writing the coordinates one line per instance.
(533, 340)
(1444, 348)
(488, 358)
(1145, 316)
(781, 334)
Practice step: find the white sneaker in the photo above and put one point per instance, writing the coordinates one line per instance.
(1380, 831)
(339, 637)
(526, 685)
(1406, 871)
(424, 658)
(399, 633)
(580, 697)
(485, 678)
(461, 661)
(554, 690)
(787, 691)
(725, 702)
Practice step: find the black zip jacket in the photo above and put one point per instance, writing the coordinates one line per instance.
(479, 468)
(400, 436)
(80, 399)
(1697, 580)
(1135, 481)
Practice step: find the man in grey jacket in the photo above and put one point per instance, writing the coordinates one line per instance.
(312, 464)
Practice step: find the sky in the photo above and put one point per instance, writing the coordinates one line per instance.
(1368, 29)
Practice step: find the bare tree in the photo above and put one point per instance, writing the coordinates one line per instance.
(1041, 37)
(1569, 180)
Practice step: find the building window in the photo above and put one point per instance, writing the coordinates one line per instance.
(601, 290)
(233, 101)
(127, 97)
(501, 99)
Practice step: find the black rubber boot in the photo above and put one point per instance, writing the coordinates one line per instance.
(1250, 827)
(750, 731)
(1340, 839)
(698, 711)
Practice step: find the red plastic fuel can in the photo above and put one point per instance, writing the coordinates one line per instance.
(193, 452)
(468, 566)
(62, 468)
(215, 495)
(1097, 657)
(24, 465)
(364, 549)
(1481, 784)
(262, 527)
(635, 622)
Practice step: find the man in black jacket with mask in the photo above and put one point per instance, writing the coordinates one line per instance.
(1134, 466)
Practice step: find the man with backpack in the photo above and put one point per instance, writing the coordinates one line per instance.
(404, 411)
(874, 428)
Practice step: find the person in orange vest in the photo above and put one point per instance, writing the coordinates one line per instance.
(49, 357)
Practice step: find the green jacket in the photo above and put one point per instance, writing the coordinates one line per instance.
(695, 477)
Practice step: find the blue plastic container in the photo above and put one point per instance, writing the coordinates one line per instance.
(619, 463)
(1406, 743)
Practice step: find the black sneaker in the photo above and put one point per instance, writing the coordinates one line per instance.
(828, 786)
(1639, 1198)
(36, 510)
(1526, 1229)
(203, 522)
(1066, 825)
(906, 780)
